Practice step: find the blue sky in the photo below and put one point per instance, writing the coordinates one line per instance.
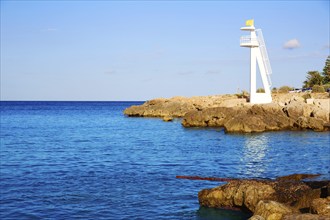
(139, 50)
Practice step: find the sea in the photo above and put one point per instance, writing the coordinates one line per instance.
(87, 160)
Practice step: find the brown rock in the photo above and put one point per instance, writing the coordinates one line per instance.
(211, 117)
(296, 109)
(229, 103)
(297, 177)
(271, 199)
(306, 216)
(321, 206)
(287, 112)
(179, 106)
(259, 118)
(272, 210)
(320, 113)
(245, 124)
(160, 108)
(236, 194)
(167, 118)
(134, 111)
(309, 123)
(323, 104)
(257, 217)
(297, 194)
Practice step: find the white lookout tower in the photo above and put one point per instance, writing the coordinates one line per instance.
(255, 41)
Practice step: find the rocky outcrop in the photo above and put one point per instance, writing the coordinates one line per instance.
(281, 199)
(161, 108)
(236, 194)
(287, 112)
(306, 216)
(167, 118)
(211, 117)
(179, 106)
(271, 210)
(294, 115)
(321, 206)
(259, 118)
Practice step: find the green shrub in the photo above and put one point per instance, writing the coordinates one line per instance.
(261, 90)
(317, 88)
(284, 89)
(326, 86)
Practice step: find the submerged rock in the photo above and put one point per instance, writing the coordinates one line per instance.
(167, 118)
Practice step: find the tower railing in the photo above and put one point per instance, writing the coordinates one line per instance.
(264, 55)
(247, 40)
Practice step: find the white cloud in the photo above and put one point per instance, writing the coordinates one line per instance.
(291, 44)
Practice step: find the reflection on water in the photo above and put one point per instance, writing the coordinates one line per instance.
(254, 155)
(205, 213)
(86, 160)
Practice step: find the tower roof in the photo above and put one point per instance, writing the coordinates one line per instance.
(249, 28)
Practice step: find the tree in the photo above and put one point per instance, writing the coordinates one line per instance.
(326, 71)
(313, 78)
(318, 89)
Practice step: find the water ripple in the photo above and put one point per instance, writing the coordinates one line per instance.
(68, 160)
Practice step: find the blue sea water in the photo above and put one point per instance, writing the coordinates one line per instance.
(86, 160)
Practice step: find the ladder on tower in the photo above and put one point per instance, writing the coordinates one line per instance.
(264, 55)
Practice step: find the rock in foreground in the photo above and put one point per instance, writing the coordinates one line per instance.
(280, 199)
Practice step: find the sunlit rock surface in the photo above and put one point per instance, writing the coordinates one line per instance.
(286, 112)
(283, 198)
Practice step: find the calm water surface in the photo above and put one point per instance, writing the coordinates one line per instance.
(86, 160)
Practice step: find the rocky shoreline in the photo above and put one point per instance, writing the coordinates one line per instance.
(284, 198)
(297, 111)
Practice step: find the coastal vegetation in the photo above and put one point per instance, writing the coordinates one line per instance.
(320, 82)
(318, 88)
(316, 82)
(313, 78)
(284, 89)
(261, 90)
(326, 71)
